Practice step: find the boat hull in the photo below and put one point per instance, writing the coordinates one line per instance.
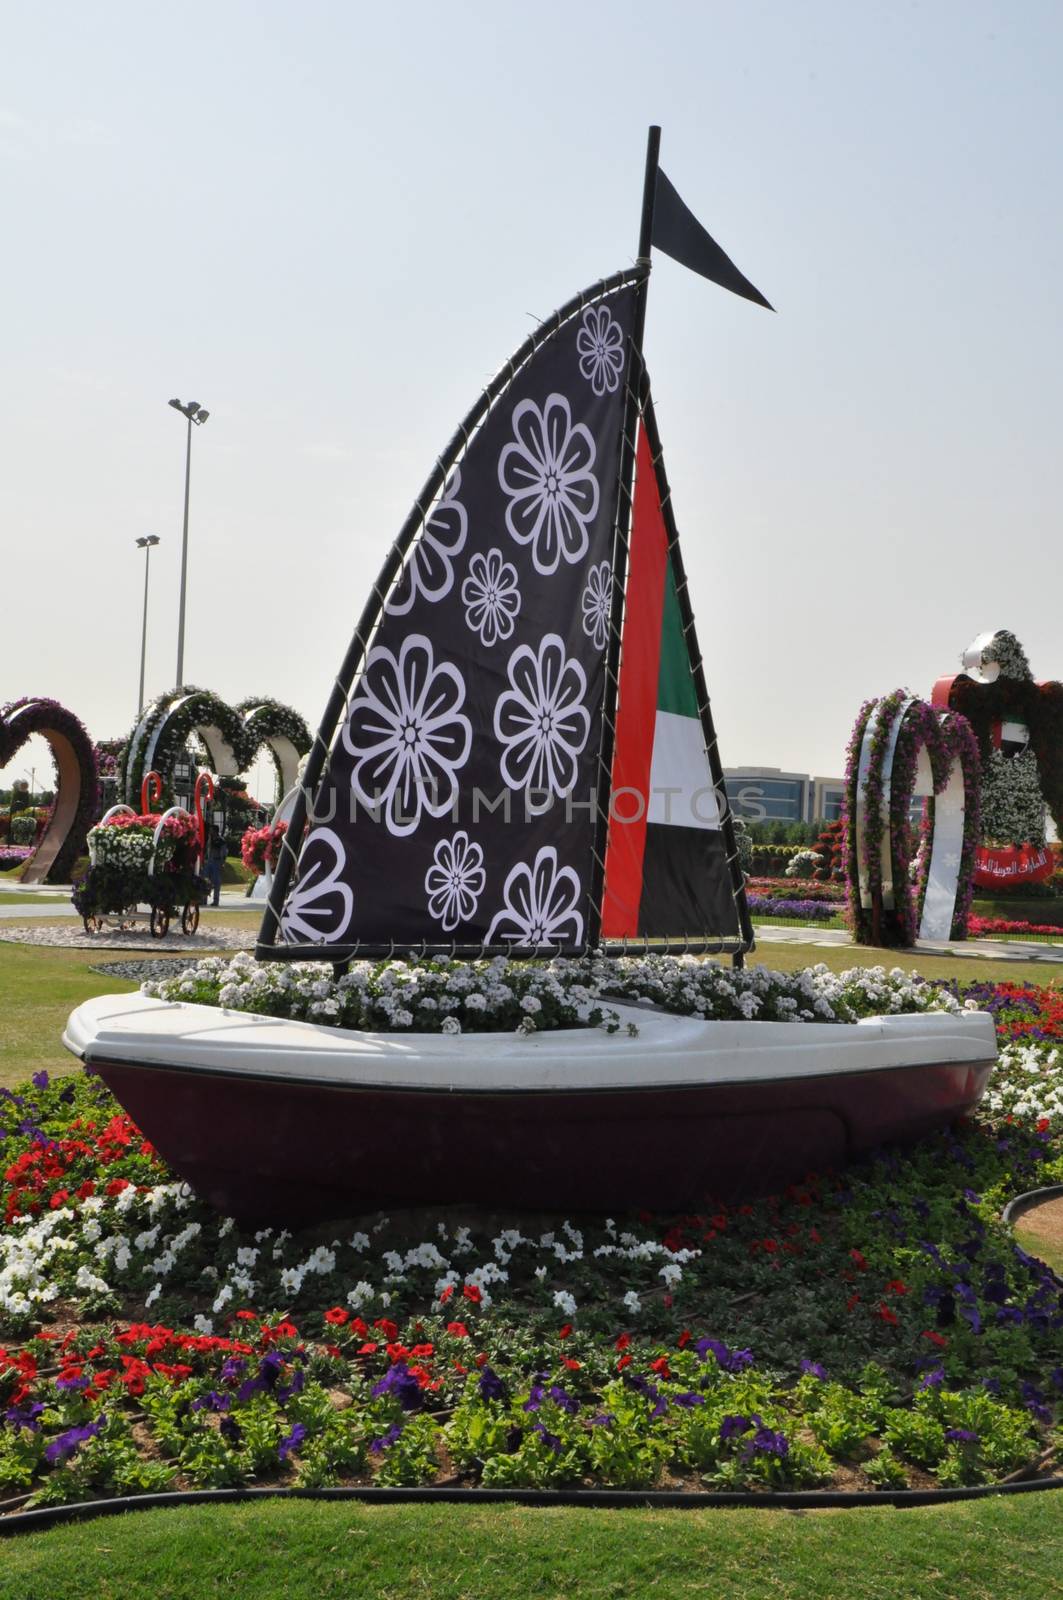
(317, 1131)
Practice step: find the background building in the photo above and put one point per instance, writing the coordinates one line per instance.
(767, 794)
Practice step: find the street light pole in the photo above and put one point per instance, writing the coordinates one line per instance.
(145, 544)
(195, 413)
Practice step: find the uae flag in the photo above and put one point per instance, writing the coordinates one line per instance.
(666, 871)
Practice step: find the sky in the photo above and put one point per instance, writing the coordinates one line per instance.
(330, 224)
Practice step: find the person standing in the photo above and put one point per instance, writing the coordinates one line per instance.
(216, 854)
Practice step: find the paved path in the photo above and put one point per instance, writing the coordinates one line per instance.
(993, 949)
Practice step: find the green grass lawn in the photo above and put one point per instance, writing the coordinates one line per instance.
(40, 987)
(982, 1550)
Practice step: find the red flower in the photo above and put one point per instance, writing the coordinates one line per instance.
(573, 1366)
(246, 1316)
(563, 1333)
(623, 1341)
(852, 1302)
(897, 1286)
(116, 1186)
(661, 1366)
(446, 1294)
(886, 1314)
(388, 1329)
(337, 1316)
(472, 1292)
(1043, 1124)
(625, 1361)
(457, 1330)
(684, 1339)
(858, 1257)
(368, 1349)
(935, 1338)
(481, 1359)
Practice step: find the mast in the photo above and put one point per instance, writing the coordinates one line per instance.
(622, 538)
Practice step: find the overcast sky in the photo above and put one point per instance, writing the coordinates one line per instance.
(329, 224)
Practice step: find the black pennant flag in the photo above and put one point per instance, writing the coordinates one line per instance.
(677, 231)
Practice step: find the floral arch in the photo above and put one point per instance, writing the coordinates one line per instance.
(231, 736)
(907, 882)
(74, 756)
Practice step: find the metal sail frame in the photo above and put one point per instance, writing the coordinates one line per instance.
(638, 411)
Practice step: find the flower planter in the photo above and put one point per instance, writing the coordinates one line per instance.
(295, 1121)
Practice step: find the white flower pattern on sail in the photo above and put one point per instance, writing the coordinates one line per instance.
(491, 596)
(540, 905)
(319, 907)
(546, 474)
(542, 722)
(429, 568)
(455, 880)
(596, 601)
(407, 734)
(600, 346)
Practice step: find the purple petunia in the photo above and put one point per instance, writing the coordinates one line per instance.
(961, 1436)
(400, 1382)
(291, 1441)
(25, 1417)
(65, 1444)
(732, 1426)
(491, 1386)
(386, 1440)
(812, 1369)
(727, 1359)
(40, 1080)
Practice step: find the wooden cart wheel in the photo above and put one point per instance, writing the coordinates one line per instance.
(160, 922)
(189, 919)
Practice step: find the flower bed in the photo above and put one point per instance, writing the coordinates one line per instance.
(874, 1328)
(792, 910)
(979, 927)
(787, 889)
(452, 997)
(13, 855)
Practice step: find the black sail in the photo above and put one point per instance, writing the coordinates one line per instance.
(453, 805)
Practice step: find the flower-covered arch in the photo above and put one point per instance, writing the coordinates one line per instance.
(76, 779)
(231, 736)
(901, 886)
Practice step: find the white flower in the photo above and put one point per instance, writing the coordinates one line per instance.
(542, 722)
(632, 1303)
(600, 345)
(360, 1295)
(455, 881)
(672, 1274)
(564, 1302)
(546, 473)
(429, 566)
(491, 596)
(596, 601)
(540, 904)
(320, 905)
(407, 733)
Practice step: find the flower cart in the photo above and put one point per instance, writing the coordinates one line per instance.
(146, 859)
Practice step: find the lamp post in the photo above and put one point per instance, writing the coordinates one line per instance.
(195, 413)
(146, 544)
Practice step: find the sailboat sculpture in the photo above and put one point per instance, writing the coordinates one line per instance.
(518, 758)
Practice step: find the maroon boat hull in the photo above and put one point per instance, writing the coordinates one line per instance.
(295, 1152)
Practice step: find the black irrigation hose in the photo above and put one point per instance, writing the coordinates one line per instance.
(600, 1499)
(1025, 1202)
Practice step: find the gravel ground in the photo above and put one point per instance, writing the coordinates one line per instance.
(75, 938)
(141, 971)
